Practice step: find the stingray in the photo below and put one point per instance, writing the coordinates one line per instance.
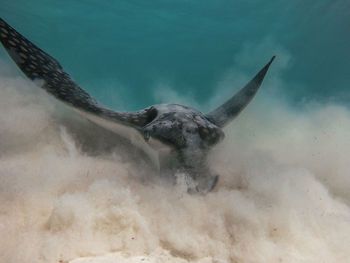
(174, 136)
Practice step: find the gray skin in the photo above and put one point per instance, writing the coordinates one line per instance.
(189, 133)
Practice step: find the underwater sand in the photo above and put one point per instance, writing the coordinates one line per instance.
(70, 194)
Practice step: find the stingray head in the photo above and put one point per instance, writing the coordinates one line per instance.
(181, 127)
(190, 135)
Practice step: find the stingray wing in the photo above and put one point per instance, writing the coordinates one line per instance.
(231, 108)
(40, 66)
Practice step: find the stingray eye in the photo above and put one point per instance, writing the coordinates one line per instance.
(151, 114)
(203, 132)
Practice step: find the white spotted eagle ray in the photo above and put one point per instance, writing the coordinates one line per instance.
(182, 133)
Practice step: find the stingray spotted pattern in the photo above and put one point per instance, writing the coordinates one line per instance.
(185, 134)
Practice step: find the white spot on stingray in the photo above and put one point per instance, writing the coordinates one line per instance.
(12, 43)
(5, 31)
(40, 57)
(23, 55)
(23, 48)
(43, 53)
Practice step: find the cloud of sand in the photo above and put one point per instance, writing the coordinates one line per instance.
(283, 194)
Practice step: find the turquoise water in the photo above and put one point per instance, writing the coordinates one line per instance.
(124, 52)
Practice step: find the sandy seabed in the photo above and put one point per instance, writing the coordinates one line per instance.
(283, 195)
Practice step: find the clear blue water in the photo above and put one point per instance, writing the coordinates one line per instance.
(122, 51)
